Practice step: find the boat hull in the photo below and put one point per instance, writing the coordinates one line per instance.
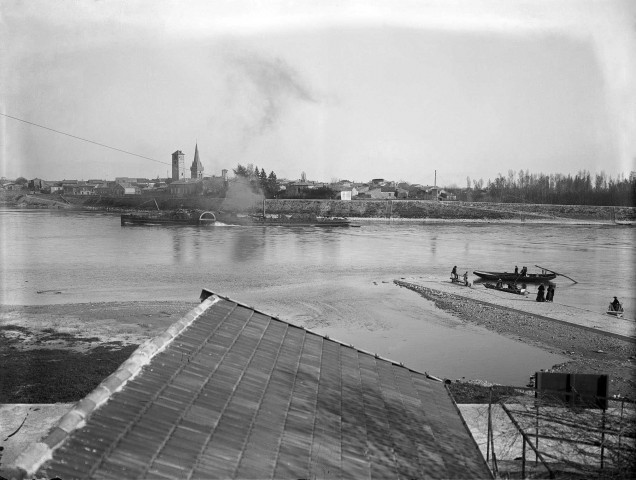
(149, 220)
(511, 277)
(505, 289)
(230, 219)
(615, 312)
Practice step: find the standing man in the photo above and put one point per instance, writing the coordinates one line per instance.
(454, 275)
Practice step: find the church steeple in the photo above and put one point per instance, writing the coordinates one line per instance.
(196, 170)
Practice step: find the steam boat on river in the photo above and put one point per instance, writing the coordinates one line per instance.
(174, 217)
(195, 217)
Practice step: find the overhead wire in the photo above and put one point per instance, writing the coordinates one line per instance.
(84, 139)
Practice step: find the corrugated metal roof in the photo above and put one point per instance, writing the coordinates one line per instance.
(230, 392)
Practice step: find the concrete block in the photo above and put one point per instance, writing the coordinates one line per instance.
(85, 407)
(71, 421)
(55, 438)
(112, 383)
(34, 456)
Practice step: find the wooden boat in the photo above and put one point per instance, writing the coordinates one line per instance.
(615, 312)
(516, 291)
(512, 277)
(175, 217)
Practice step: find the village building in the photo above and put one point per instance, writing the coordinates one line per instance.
(297, 189)
(76, 187)
(183, 188)
(122, 189)
(385, 193)
(38, 185)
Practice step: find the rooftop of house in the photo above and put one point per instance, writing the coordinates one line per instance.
(186, 181)
(231, 392)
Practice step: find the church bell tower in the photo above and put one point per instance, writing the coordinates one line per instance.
(196, 170)
(178, 165)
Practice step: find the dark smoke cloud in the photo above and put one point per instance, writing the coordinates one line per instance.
(240, 197)
(263, 89)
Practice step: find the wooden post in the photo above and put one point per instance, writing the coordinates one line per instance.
(528, 441)
(536, 430)
(620, 429)
(523, 459)
(602, 437)
(489, 424)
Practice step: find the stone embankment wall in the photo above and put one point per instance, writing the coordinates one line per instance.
(583, 212)
(428, 209)
(151, 203)
(382, 209)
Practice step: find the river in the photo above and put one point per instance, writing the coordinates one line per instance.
(338, 282)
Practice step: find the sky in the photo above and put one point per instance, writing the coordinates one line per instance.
(419, 91)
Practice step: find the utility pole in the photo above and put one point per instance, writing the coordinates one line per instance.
(435, 181)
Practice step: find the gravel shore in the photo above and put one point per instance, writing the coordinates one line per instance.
(590, 351)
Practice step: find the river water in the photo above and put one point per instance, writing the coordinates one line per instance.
(336, 281)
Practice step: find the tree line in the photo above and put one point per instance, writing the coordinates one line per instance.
(257, 179)
(583, 188)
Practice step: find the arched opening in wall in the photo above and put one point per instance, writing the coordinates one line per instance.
(208, 217)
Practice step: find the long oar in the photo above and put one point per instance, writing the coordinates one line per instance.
(557, 273)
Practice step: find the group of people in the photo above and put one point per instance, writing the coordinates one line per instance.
(511, 286)
(543, 296)
(455, 276)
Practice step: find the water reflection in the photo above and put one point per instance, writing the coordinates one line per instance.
(176, 246)
(248, 244)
